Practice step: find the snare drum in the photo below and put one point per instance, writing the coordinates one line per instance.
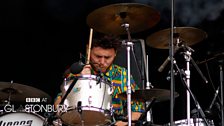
(89, 102)
(21, 119)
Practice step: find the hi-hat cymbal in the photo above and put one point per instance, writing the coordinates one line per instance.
(19, 93)
(186, 35)
(108, 19)
(149, 95)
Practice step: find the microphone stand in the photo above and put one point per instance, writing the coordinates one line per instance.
(213, 101)
(69, 90)
(221, 86)
(171, 55)
(186, 81)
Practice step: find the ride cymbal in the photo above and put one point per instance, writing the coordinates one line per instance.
(149, 95)
(18, 93)
(108, 19)
(186, 35)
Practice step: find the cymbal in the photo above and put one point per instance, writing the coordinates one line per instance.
(20, 93)
(108, 19)
(186, 35)
(149, 95)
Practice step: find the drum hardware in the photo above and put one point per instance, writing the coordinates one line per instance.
(193, 122)
(177, 47)
(51, 119)
(142, 119)
(215, 56)
(79, 107)
(221, 88)
(185, 78)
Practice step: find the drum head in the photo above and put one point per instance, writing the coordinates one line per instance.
(87, 117)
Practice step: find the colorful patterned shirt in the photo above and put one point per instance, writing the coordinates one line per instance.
(118, 76)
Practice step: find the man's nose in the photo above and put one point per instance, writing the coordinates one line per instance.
(102, 60)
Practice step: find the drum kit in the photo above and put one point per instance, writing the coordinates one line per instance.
(88, 98)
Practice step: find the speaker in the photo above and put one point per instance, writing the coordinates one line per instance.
(137, 60)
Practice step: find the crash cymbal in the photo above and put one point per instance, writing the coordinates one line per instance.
(108, 19)
(148, 95)
(186, 35)
(19, 93)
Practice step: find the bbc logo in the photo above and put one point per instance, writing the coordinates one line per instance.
(32, 99)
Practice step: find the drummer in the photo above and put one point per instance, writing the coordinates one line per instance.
(103, 52)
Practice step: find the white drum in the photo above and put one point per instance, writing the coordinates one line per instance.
(193, 122)
(89, 102)
(21, 119)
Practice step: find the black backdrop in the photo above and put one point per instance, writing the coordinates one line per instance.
(40, 39)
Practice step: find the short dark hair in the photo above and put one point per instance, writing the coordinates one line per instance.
(106, 41)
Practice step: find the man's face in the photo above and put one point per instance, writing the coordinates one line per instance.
(102, 58)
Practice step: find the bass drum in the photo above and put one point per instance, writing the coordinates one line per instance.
(21, 119)
(89, 102)
(193, 122)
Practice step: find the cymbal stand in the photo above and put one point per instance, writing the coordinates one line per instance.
(128, 44)
(10, 91)
(187, 74)
(187, 56)
(148, 87)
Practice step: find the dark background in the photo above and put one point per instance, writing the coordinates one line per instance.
(41, 38)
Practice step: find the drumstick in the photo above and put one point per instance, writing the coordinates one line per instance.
(90, 43)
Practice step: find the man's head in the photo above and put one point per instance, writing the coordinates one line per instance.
(103, 51)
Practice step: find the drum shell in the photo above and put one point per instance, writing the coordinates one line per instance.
(90, 97)
(19, 118)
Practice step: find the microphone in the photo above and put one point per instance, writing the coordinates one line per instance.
(160, 69)
(164, 64)
(76, 67)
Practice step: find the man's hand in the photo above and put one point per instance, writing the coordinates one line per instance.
(86, 70)
(134, 117)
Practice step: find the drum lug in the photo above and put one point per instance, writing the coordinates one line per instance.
(79, 107)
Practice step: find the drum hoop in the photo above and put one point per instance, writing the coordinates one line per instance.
(93, 77)
(30, 113)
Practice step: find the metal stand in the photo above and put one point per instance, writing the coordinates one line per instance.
(149, 117)
(221, 86)
(129, 44)
(171, 54)
(187, 73)
(187, 56)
